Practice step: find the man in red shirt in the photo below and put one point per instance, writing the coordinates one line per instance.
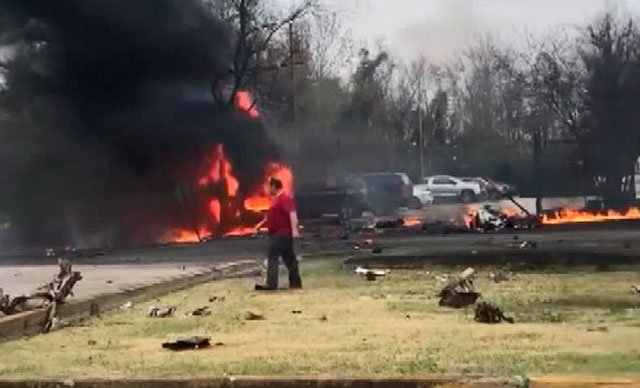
(282, 224)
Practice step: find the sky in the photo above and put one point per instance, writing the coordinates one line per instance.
(438, 29)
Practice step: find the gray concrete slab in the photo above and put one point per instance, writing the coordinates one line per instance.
(96, 279)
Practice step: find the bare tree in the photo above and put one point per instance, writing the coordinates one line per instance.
(255, 26)
(329, 42)
(612, 62)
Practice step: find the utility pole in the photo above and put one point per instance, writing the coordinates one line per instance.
(420, 130)
(292, 74)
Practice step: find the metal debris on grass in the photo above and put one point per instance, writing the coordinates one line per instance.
(158, 312)
(489, 313)
(371, 274)
(49, 295)
(201, 312)
(188, 343)
(251, 316)
(459, 291)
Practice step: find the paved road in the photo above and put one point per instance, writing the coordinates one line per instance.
(121, 268)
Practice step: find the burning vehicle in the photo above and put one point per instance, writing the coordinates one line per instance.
(141, 142)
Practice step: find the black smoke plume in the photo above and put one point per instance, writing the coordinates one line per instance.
(106, 111)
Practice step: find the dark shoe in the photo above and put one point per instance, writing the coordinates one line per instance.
(262, 287)
(295, 287)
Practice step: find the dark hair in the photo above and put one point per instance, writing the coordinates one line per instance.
(275, 183)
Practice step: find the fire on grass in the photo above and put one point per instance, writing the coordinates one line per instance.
(229, 211)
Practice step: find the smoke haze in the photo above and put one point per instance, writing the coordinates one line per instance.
(106, 110)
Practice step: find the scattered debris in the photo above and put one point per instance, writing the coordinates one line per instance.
(599, 329)
(217, 299)
(371, 274)
(376, 250)
(109, 281)
(251, 316)
(92, 342)
(459, 291)
(498, 276)
(324, 318)
(188, 343)
(523, 245)
(635, 288)
(490, 313)
(127, 306)
(49, 295)
(158, 312)
(201, 312)
(442, 278)
(296, 312)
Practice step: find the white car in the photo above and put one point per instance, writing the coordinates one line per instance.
(423, 194)
(446, 186)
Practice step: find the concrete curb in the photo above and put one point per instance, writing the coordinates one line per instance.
(260, 382)
(295, 382)
(31, 322)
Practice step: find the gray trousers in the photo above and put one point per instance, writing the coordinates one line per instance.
(282, 247)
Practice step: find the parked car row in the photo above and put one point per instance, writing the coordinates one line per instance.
(467, 189)
(384, 193)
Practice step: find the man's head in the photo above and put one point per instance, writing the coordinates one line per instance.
(275, 186)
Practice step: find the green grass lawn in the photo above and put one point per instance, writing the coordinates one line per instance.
(567, 322)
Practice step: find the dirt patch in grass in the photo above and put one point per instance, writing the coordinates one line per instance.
(347, 326)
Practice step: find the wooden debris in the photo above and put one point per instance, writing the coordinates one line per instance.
(459, 291)
(490, 313)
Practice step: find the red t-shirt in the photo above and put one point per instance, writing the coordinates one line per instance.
(278, 216)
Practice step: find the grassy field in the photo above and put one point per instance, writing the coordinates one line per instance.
(568, 322)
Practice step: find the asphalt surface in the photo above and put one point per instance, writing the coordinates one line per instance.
(115, 269)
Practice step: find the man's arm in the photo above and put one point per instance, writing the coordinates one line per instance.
(293, 216)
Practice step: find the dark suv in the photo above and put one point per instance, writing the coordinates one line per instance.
(385, 192)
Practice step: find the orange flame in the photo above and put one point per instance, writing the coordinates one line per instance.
(568, 216)
(220, 173)
(182, 236)
(214, 208)
(261, 200)
(411, 221)
(246, 103)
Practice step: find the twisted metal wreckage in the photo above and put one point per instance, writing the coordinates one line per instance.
(49, 295)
